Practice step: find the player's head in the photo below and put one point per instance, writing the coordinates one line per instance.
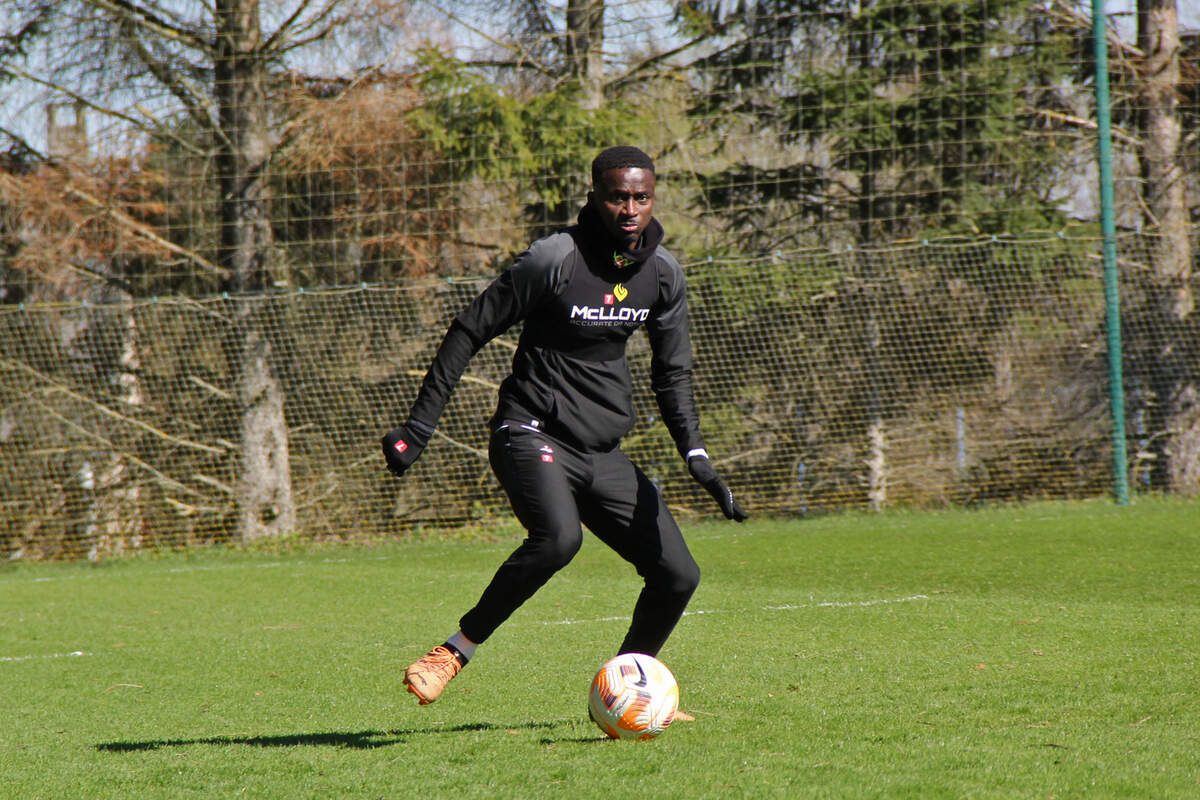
(620, 157)
(623, 192)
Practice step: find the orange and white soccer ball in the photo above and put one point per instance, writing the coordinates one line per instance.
(633, 696)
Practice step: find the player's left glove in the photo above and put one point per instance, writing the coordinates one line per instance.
(702, 470)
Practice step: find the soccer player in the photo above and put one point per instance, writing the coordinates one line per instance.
(555, 436)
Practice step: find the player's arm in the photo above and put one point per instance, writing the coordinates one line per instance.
(671, 379)
(507, 300)
(404, 445)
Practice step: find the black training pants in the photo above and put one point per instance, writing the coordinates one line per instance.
(553, 488)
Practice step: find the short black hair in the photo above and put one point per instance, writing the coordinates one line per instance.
(620, 157)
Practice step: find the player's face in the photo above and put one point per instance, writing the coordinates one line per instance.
(624, 199)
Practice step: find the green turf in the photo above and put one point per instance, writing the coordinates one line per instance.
(1046, 651)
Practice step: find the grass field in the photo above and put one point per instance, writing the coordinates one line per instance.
(1045, 651)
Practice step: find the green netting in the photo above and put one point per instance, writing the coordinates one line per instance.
(232, 234)
(920, 375)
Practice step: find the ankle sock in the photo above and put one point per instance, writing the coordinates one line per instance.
(463, 646)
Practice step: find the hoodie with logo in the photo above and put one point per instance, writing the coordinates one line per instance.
(581, 297)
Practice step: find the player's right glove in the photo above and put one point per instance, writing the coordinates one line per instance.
(704, 473)
(402, 447)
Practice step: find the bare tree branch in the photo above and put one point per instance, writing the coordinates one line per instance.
(146, 232)
(62, 388)
(280, 32)
(321, 35)
(197, 105)
(285, 38)
(158, 132)
(1089, 124)
(22, 143)
(636, 71)
(524, 56)
(145, 18)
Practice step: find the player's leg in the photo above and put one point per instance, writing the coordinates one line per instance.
(537, 473)
(624, 509)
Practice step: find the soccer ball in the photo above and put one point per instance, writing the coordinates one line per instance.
(633, 696)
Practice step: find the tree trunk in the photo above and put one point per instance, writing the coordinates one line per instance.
(118, 515)
(1176, 409)
(585, 42)
(264, 490)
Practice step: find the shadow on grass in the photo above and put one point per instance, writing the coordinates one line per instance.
(360, 740)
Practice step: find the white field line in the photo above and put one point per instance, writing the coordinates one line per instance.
(883, 601)
(76, 654)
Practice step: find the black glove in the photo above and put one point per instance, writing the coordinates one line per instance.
(702, 470)
(402, 447)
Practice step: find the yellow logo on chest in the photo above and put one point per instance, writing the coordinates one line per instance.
(620, 292)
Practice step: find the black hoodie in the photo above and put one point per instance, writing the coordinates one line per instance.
(581, 298)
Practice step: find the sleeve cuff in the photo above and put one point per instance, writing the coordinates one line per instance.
(420, 427)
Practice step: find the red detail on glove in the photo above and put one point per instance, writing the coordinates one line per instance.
(401, 445)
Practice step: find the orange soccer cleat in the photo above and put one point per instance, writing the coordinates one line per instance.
(428, 675)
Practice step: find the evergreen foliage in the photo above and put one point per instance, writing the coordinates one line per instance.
(885, 126)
